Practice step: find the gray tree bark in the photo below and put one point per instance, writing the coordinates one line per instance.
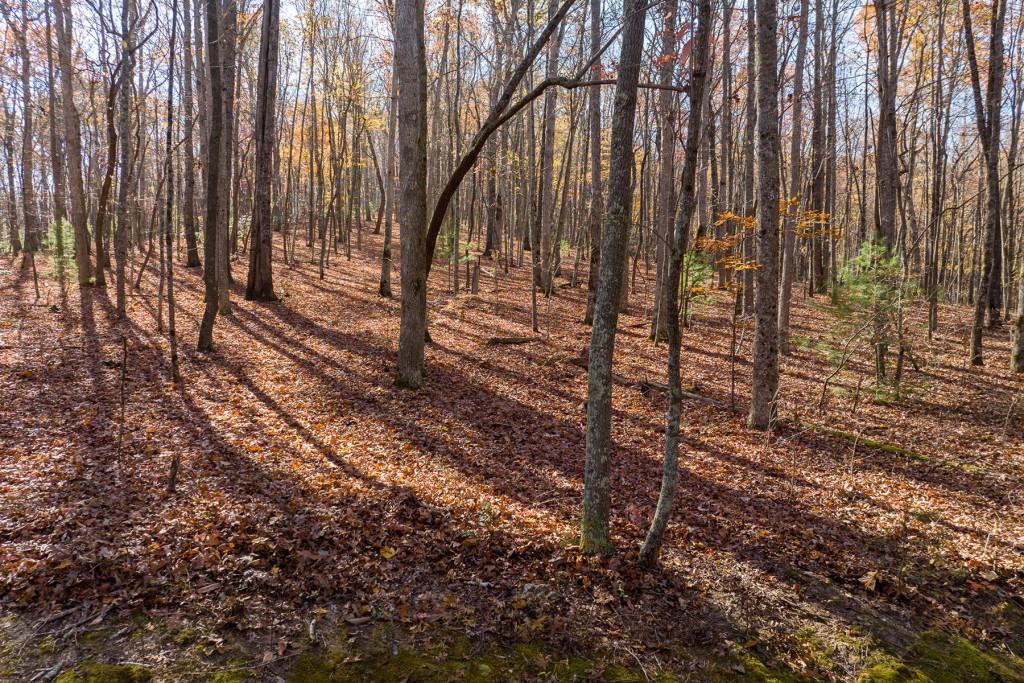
(596, 491)
(989, 121)
(73, 140)
(212, 171)
(188, 211)
(670, 476)
(412, 182)
(594, 114)
(389, 182)
(765, 381)
(260, 285)
(789, 245)
(665, 209)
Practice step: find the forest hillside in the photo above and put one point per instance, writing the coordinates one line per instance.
(318, 509)
(511, 340)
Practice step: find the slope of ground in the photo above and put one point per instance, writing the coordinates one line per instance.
(318, 507)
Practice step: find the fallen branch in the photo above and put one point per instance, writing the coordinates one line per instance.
(647, 388)
(498, 341)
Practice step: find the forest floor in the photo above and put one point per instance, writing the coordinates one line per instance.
(329, 526)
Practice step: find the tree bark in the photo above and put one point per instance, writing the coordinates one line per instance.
(260, 285)
(412, 178)
(789, 244)
(594, 113)
(212, 171)
(665, 209)
(765, 381)
(188, 211)
(389, 180)
(596, 492)
(989, 120)
(670, 476)
(73, 139)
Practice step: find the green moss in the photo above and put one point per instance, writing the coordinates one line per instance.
(891, 671)
(572, 669)
(814, 649)
(94, 672)
(186, 636)
(47, 646)
(744, 666)
(96, 638)
(233, 676)
(862, 440)
(938, 657)
(952, 659)
(459, 659)
(312, 668)
(1010, 616)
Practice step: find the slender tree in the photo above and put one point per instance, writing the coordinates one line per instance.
(412, 183)
(597, 487)
(765, 383)
(684, 215)
(73, 140)
(212, 171)
(260, 285)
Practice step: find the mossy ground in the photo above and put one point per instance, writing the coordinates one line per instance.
(388, 653)
(95, 672)
(939, 657)
(454, 657)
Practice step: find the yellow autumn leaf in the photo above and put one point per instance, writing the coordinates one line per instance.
(387, 552)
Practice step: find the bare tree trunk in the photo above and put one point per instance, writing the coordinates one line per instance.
(940, 132)
(670, 476)
(389, 182)
(749, 152)
(596, 491)
(73, 139)
(596, 207)
(412, 209)
(817, 204)
(989, 120)
(172, 334)
(125, 182)
(665, 209)
(789, 245)
(12, 217)
(229, 38)
(765, 382)
(212, 171)
(886, 172)
(885, 157)
(28, 194)
(260, 286)
(188, 211)
(546, 189)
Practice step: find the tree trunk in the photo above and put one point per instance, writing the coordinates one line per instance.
(212, 171)
(989, 119)
(670, 476)
(665, 209)
(789, 244)
(28, 194)
(389, 182)
(260, 285)
(73, 139)
(188, 211)
(596, 208)
(412, 210)
(596, 492)
(765, 381)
